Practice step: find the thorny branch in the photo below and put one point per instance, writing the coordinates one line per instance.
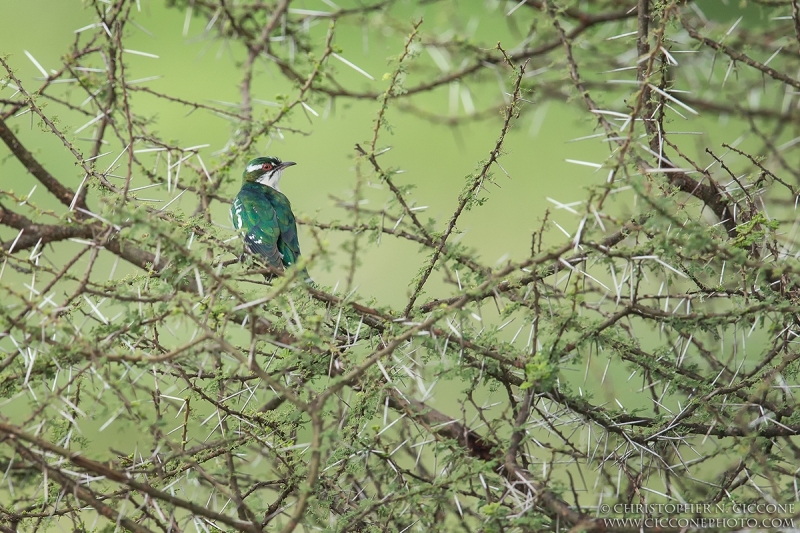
(151, 380)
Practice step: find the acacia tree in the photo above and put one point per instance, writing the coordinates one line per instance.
(267, 405)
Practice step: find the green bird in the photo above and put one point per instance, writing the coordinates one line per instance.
(263, 216)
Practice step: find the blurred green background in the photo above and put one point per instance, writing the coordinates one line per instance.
(435, 157)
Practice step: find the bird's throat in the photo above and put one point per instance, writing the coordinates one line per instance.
(271, 179)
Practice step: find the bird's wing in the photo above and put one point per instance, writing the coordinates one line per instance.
(257, 221)
(288, 244)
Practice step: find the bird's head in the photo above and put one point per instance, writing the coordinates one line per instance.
(266, 170)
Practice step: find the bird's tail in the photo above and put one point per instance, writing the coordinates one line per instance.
(303, 275)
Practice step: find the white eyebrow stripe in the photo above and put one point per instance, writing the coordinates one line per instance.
(253, 168)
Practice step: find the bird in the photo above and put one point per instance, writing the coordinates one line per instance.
(263, 216)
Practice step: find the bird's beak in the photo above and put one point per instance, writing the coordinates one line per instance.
(286, 164)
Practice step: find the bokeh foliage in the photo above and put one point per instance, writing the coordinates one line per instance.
(636, 345)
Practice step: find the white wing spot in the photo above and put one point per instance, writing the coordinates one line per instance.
(237, 209)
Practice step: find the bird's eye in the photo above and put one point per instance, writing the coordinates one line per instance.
(266, 166)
